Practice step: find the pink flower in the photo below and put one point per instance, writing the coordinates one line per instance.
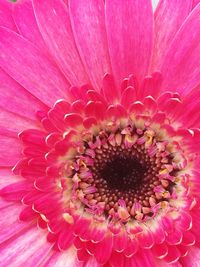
(100, 137)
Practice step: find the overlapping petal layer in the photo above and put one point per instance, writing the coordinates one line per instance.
(59, 106)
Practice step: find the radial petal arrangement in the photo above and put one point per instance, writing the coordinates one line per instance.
(99, 133)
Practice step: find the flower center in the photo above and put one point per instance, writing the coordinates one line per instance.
(129, 168)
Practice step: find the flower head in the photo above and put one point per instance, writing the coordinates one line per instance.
(99, 133)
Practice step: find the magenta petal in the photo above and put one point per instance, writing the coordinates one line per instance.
(6, 15)
(181, 63)
(130, 50)
(26, 23)
(174, 14)
(54, 23)
(195, 2)
(23, 103)
(87, 19)
(37, 74)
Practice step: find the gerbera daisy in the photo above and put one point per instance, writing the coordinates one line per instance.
(99, 133)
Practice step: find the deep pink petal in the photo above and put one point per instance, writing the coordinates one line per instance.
(103, 249)
(26, 23)
(15, 191)
(168, 17)
(116, 259)
(88, 24)
(181, 63)
(6, 15)
(130, 30)
(25, 63)
(54, 23)
(144, 258)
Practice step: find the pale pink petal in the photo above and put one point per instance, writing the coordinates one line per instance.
(10, 225)
(7, 177)
(60, 259)
(6, 15)
(23, 103)
(10, 150)
(168, 18)
(54, 23)
(28, 249)
(192, 259)
(28, 66)
(180, 66)
(130, 31)
(88, 24)
(26, 23)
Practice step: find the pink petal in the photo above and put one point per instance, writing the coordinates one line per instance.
(88, 24)
(168, 17)
(10, 150)
(163, 263)
(130, 50)
(10, 224)
(192, 259)
(120, 241)
(6, 15)
(181, 63)
(190, 116)
(145, 239)
(7, 177)
(54, 23)
(11, 124)
(195, 2)
(37, 74)
(26, 23)
(29, 248)
(23, 103)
